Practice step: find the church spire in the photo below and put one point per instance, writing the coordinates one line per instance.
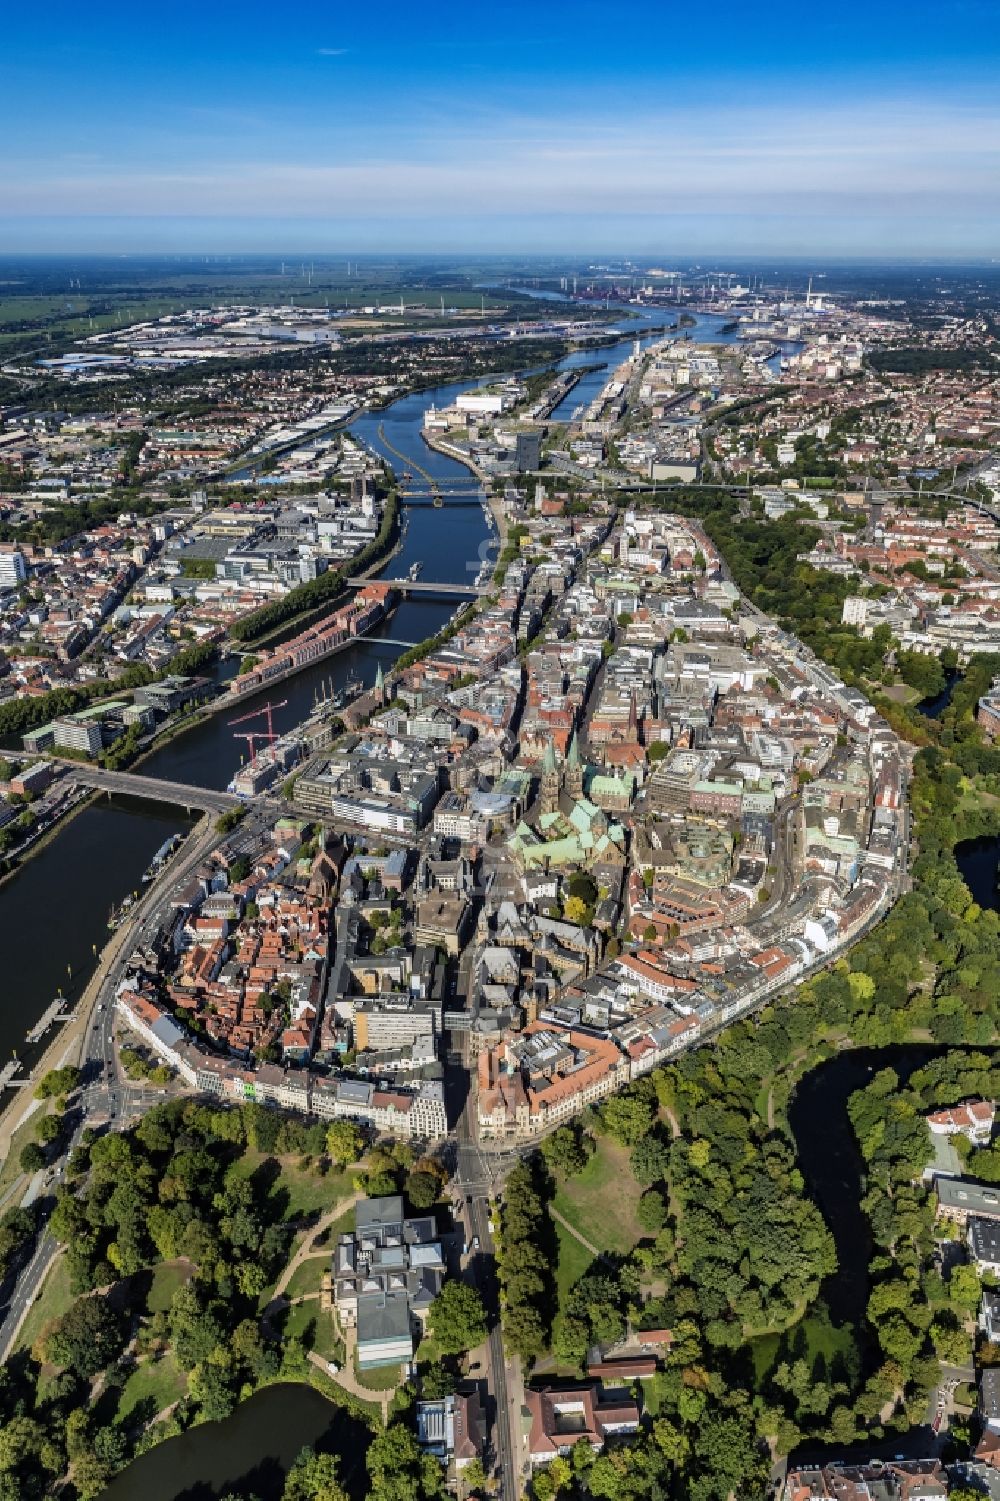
(574, 768)
(550, 780)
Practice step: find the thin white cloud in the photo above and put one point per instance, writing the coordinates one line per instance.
(918, 160)
(332, 51)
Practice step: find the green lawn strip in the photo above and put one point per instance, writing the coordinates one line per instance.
(328, 1343)
(10, 1167)
(307, 1193)
(900, 693)
(158, 1382)
(167, 1278)
(308, 1275)
(382, 1379)
(52, 1302)
(822, 1337)
(314, 1325)
(574, 1259)
(601, 1201)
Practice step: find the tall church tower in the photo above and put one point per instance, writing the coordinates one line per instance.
(550, 781)
(633, 717)
(574, 770)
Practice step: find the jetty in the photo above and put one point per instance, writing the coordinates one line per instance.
(60, 1010)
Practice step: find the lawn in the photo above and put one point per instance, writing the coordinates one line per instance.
(901, 693)
(307, 1276)
(309, 1322)
(820, 1335)
(10, 1168)
(52, 1302)
(167, 1278)
(574, 1260)
(601, 1201)
(382, 1379)
(345, 1221)
(306, 1193)
(155, 1384)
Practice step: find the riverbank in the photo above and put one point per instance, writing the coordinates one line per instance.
(316, 614)
(319, 592)
(69, 1043)
(33, 847)
(172, 730)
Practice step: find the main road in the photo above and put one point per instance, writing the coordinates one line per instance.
(476, 1178)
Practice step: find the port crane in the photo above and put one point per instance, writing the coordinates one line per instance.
(252, 736)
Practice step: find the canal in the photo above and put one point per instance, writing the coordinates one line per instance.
(979, 863)
(935, 706)
(826, 1149)
(252, 1450)
(834, 1171)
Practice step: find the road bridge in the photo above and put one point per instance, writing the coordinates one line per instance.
(413, 586)
(443, 503)
(134, 784)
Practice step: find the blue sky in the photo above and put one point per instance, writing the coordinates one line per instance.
(778, 129)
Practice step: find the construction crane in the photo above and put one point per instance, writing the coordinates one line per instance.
(252, 736)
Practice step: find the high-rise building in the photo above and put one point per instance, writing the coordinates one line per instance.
(12, 569)
(529, 452)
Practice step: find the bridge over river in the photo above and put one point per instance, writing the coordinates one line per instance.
(414, 586)
(134, 784)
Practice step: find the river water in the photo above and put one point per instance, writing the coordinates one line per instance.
(55, 909)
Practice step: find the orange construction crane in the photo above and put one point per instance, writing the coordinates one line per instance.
(252, 736)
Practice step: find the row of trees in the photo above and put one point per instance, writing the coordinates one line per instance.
(19, 714)
(322, 590)
(526, 1259)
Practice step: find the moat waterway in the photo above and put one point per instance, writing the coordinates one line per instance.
(832, 1165)
(827, 1151)
(252, 1450)
(934, 707)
